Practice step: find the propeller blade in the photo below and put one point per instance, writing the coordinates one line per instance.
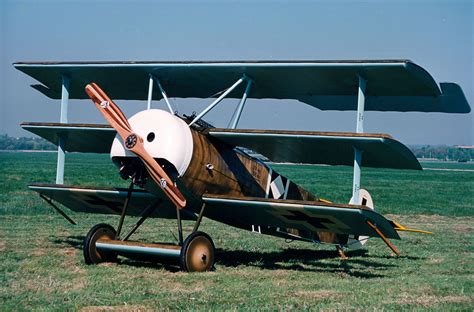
(109, 110)
(158, 174)
(134, 143)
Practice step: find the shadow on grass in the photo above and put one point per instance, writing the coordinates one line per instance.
(359, 264)
(73, 241)
(170, 267)
(306, 260)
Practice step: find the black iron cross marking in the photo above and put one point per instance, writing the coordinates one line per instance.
(97, 201)
(314, 221)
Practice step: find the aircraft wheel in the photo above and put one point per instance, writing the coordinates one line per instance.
(197, 253)
(91, 254)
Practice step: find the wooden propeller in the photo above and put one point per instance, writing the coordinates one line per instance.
(134, 143)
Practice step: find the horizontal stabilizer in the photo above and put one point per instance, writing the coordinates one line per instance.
(107, 200)
(298, 214)
(330, 148)
(84, 138)
(392, 85)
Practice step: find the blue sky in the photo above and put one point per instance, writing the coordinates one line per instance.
(438, 35)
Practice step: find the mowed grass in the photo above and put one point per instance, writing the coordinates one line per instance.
(41, 264)
(448, 165)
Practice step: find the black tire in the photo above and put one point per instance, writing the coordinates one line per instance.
(197, 253)
(91, 254)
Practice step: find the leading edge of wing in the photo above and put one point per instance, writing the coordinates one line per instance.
(329, 148)
(297, 214)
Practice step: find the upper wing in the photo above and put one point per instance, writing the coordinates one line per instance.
(332, 148)
(108, 200)
(297, 214)
(393, 85)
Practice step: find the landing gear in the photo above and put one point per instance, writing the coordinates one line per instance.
(92, 255)
(197, 253)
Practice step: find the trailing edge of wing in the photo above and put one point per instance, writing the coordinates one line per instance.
(330, 148)
(107, 200)
(393, 85)
(298, 214)
(85, 138)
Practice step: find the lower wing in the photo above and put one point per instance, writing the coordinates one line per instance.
(107, 200)
(297, 214)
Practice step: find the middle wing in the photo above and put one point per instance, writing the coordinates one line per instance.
(84, 138)
(331, 148)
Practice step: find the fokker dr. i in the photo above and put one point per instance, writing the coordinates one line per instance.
(181, 167)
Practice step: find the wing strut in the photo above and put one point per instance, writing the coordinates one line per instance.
(62, 213)
(62, 138)
(385, 239)
(359, 129)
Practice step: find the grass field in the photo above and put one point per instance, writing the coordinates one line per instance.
(41, 265)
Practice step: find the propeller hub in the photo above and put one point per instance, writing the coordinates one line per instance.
(131, 141)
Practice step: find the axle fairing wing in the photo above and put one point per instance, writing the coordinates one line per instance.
(393, 85)
(312, 216)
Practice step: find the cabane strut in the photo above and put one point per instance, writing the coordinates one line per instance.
(223, 95)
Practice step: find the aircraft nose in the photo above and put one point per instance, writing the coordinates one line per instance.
(165, 136)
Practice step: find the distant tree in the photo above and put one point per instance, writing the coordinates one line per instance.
(443, 152)
(24, 143)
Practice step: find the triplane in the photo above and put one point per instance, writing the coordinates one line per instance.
(179, 166)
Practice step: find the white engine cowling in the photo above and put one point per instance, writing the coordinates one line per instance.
(164, 135)
(356, 242)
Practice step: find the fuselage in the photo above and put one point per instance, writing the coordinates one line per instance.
(201, 165)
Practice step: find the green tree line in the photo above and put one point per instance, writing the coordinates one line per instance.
(23, 143)
(443, 152)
